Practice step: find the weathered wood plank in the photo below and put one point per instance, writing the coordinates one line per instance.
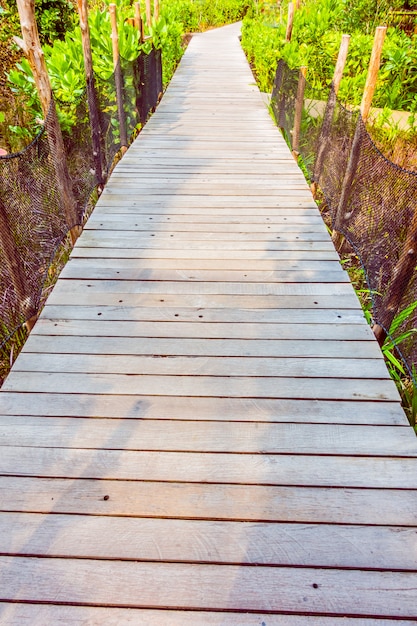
(159, 312)
(346, 302)
(17, 614)
(89, 270)
(192, 467)
(197, 366)
(207, 542)
(241, 387)
(126, 223)
(333, 505)
(180, 200)
(210, 587)
(272, 256)
(204, 347)
(135, 240)
(197, 218)
(255, 266)
(216, 437)
(200, 330)
(263, 410)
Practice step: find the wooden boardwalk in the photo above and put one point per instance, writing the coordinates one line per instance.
(200, 429)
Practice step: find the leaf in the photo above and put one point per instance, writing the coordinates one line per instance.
(401, 317)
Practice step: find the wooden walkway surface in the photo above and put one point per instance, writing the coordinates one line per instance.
(200, 429)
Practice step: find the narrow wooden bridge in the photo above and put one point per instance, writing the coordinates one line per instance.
(201, 429)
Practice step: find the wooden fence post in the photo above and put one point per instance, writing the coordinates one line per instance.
(14, 266)
(91, 91)
(355, 150)
(290, 20)
(148, 12)
(373, 69)
(32, 49)
(299, 104)
(139, 22)
(328, 114)
(118, 77)
(156, 10)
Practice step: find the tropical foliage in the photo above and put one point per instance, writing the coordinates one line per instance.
(317, 32)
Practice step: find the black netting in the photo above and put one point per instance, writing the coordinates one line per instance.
(43, 195)
(372, 201)
(283, 102)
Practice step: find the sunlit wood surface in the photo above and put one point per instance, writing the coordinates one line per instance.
(200, 429)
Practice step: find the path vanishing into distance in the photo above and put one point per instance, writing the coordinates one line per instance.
(200, 429)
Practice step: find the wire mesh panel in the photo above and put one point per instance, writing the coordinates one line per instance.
(33, 217)
(32, 225)
(372, 201)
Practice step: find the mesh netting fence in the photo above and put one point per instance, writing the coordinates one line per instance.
(372, 202)
(34, 213)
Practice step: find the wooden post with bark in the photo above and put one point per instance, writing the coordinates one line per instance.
(156, 10)
(14, 265)
(139, 22)
(118, 78)
(148, 12)
(352, 165)
(30, 44)
(290, 21)
(299, 104)
(330, 107)
(373, 69)
(93, 108)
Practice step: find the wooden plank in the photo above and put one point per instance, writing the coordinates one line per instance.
(208, 542)
(216, 468)
(215, 436)
(161, 313)
(88, 270)
(178, 288)
(226, 255)
(246, 237)
(204, 347)
(203, 366)
(17, 614)
(200, 330)
(91, 238)
(172, 585)
(256, 265)
(262, 410)
(235, 387)
(379, 507)
(278, 214)
(346, 302)
(200, 216)
(126, 223)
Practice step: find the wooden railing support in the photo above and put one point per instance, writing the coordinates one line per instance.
(352, 165)
(299, 104)
(139, 22)
(156, 10)
(34, 53)
(290, 20)
(118, 78)
(330, 106)
(93, 108)
(148, 12)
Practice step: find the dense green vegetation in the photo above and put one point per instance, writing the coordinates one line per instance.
(317, 32)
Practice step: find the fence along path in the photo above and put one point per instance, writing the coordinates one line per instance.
(200, 429)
